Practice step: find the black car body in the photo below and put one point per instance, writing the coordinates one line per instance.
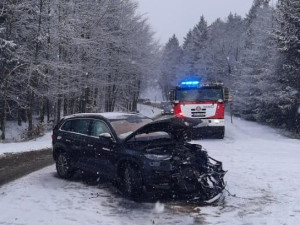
(137, 152)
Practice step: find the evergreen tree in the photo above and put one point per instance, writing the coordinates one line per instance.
(193, 50)
(224, 48)
(170, 63)
(255, 66)
(288, 37)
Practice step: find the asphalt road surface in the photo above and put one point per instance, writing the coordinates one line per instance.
(13, 166)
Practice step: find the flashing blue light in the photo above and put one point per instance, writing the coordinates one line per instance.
(190, 83)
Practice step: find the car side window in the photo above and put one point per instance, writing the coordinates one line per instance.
(66, 126)
(99, 127)
(80, 126)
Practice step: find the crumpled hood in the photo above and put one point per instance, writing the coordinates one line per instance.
(178, 128)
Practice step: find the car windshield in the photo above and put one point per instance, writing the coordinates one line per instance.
(124, 127)
(201, 94)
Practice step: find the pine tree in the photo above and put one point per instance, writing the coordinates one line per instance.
(171, 58)
(288, 37)
(193, 50)
(256, 63)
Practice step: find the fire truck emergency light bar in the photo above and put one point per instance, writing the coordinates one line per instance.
(190, 83)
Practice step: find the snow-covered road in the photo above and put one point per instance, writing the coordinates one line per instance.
(263, 174)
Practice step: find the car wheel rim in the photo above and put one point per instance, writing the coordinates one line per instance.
(62, 165)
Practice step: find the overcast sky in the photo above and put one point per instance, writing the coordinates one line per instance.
(178, 16)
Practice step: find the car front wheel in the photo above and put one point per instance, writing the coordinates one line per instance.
(132, 181)
(63, 166)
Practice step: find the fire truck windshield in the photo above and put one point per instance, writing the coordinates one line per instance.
(199, 94)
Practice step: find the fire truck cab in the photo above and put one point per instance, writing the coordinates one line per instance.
(204, 102)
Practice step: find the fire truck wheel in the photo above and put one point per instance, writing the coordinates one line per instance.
(221, 133)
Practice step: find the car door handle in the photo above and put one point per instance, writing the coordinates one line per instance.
(106, 149)
(90, 145)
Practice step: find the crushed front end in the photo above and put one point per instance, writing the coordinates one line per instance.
(189, 171)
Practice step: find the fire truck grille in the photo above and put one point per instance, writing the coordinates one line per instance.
(200, 113)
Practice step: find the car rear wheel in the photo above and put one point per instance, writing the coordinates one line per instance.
(63, 166)
(132, 181)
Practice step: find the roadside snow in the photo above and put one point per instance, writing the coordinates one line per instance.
(148, 110)
(33, 145)
(263, 172)
(14, 131)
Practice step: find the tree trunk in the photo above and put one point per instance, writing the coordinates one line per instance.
(30, 112)
(4, 106)
(58, 109)
(43, 109)
(19, 116)
(66, 105)
(48, 110)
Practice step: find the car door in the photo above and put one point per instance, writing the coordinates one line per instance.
(78, 139)
(104, 148)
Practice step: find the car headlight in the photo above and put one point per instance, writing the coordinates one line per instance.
(157, 157)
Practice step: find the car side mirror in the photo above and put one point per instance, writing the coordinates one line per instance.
(105, 138)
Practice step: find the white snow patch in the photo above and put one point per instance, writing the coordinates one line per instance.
(263, 174)
(43, 198)
(159, 207)
(148, 110)
(33, 145)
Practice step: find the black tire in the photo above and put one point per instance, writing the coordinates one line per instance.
(220, 133)
(132, 181)
(63, 166)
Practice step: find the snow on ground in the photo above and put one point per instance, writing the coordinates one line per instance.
(33, 145)
(148, 110)
(14, 131)
(263, 172)
(263, 178)
(43, 198)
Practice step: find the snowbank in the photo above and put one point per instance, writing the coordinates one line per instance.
(33, 145)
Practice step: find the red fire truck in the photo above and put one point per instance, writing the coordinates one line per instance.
(203, 102)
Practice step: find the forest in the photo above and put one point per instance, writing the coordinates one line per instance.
(59, 57)
(256, 57)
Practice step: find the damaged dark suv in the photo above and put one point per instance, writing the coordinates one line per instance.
(137, 152)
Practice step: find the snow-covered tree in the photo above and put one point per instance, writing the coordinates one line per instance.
(76, 56)
(193, 59)
(170, 65)
(288, 37)
(256, 65)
